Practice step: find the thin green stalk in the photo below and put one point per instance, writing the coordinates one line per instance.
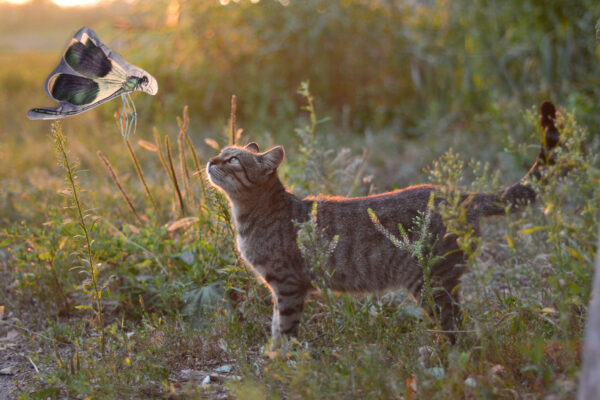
(70, 172)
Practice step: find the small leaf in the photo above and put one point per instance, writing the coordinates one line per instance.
(148, 145)
(212, 143)
(83, 307)
(529, 231)
(238, 134)
(576, 254)
(510, 241)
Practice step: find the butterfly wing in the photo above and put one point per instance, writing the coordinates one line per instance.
(87, 55)
(75, 95)
(66, 109)
(89, 74)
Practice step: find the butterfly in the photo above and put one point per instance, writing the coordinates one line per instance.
(90, 74)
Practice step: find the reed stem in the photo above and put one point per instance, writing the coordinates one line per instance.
(174, 176)
(140, 173)
(232, 119)
(115, 179)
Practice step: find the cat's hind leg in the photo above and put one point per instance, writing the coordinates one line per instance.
(446, 292)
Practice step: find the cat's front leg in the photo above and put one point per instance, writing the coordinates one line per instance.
(287, 310)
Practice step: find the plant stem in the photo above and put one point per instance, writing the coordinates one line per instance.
(232, 119)
(140, 173)
(115, 178)
(174, 176)
(70, 173)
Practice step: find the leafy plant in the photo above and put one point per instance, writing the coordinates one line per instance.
(91, 268)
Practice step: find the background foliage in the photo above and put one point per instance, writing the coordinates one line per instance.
(393, 85)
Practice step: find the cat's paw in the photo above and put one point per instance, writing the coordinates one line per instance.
(280, 347)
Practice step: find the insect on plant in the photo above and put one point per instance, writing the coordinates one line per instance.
(90, 74)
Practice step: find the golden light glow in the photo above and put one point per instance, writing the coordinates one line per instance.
(173, 10)
(61, 3)
(15, 1)
(71, 3)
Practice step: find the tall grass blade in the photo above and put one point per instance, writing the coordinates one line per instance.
(115, 179)
(232, 119)
(140, 173)
(174, 176)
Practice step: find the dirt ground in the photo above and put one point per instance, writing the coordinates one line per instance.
(16, 369)
(17, 366)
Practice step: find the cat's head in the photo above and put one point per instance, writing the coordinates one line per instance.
(241, 171)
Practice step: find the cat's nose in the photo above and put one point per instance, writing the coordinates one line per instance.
(213, 161)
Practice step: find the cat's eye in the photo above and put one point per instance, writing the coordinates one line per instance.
(234, 160)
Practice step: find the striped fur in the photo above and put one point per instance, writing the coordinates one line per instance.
(363, 260)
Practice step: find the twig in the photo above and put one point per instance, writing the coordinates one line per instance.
(34, 366)
(115, 179)
(174, 176)
(232, 118)
(504, 317)
(185, 176)
(140, 173)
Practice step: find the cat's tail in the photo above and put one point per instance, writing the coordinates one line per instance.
(521, 193)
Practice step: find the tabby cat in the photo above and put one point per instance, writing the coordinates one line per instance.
(363, 260)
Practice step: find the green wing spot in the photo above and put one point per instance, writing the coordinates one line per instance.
(45, 111)
(74, 89)
(88, 59)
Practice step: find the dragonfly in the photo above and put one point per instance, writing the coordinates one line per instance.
(90, 74)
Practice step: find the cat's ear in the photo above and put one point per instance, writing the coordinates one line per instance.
(274, 157)
(253, 147)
